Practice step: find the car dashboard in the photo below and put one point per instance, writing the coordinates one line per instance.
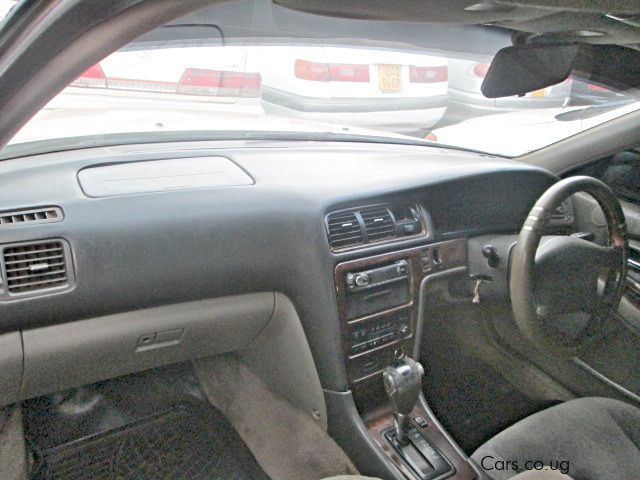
(95, 242)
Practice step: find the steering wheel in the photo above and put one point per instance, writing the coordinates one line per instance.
(559, 275)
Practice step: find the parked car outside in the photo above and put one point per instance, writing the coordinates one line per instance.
(361, 87)
(374, 88)
(193, 77)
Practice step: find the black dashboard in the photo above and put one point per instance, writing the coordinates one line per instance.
(167, 242)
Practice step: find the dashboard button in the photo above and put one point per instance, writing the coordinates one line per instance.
(410, 229)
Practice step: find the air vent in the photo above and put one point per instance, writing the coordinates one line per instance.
(378, 223)
(344, 230)
(633, 292)
(633, 274)
(39, 215)
(35, 266)
(373, 224)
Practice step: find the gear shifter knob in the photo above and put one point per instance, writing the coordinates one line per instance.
(403, 383)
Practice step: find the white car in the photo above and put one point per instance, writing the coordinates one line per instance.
(379, 89)
(193, 77)
(526, 130)
(389, 90)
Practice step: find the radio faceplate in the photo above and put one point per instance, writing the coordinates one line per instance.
(366, 279)
(378, 303)
(377, 289)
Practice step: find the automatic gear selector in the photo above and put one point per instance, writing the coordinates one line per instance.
(403, 384)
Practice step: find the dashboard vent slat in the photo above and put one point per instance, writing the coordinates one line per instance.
(633, 275)
(48, 273)
(633, 292)
(378, 223)
(34, 266)
(21, 269)
(41, 256)
(37, 215)
(370, 224)
(344, 230)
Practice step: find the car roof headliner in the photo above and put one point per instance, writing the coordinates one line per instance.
(614, 21)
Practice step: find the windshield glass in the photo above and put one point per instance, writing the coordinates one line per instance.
(201, 78)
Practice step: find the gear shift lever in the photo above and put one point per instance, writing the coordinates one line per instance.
(403, 383)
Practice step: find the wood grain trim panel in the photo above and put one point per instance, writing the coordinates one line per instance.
(450, 254)
(368, 390)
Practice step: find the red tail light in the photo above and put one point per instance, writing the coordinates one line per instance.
(92, 77)
(592, 87)
(331, 72)
(480, 69)
(318, 72)
(240, 84)
(428, 74)
(220, 83)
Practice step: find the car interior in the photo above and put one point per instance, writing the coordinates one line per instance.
(218, 304)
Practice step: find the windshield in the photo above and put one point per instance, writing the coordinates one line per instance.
(212, 80)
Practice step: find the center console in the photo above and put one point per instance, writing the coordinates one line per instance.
(378, 303)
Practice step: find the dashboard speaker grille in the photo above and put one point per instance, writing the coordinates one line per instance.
(39, 215)
(35, 266)
(378, 223)
(344, 230)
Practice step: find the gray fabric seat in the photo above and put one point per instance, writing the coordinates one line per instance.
(598, 437)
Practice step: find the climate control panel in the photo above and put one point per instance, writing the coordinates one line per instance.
(372, 333)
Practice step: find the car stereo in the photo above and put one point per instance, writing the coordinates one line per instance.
(376, 289)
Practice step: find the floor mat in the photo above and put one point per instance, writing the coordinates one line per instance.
(475, 405)
(154, 425)
(471, 400)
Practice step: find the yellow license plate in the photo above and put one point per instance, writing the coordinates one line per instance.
(538, 93)
(389, 78)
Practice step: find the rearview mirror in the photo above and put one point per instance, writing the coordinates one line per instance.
(521, 69)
